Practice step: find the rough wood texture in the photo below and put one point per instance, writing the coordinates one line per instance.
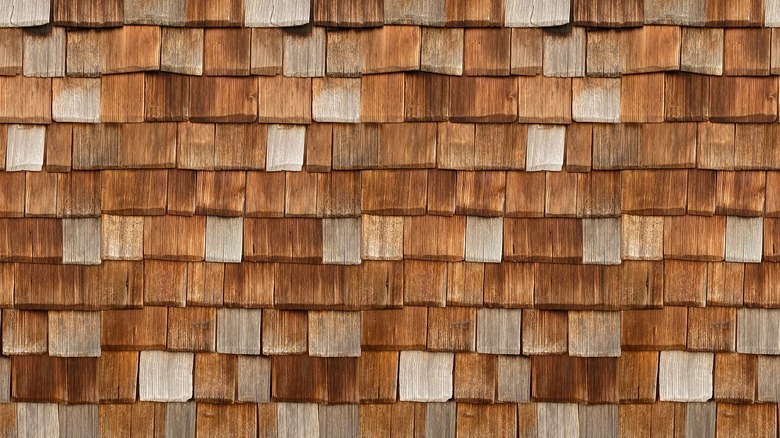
(557, 419)
(81, 241)
(182, 51)
(24, 148)
(76, 100)
(601, 241)
(238, 331)
(744, 239)
(276, 13)
(498, 331)
(545, 147)
(564, 54)
(224, 239)
(20, 13)
(334, 334)
(44, 54)
(341, 241)
(484, 239)
(336, 100)
(165, 377)
(684, 376)
(74, 334)
(642, 238)
(596, 100)
(37, 419)
(594, 334)
(525, 13)
(425, 377)
(297, 419)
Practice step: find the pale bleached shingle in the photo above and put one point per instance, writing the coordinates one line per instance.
(341, 241)
(564, 54)
(744, 239)
(74, 333)
(425, 376)
(772, 13)
(40, 420)
(536, 13)
(514, 379)
(24, 13)
(339, 420)
(498, 331)
(676, 12)
(599, 420)
(155, 12)
(5, 379)
(180, 419)
(442, 50)
(758, 331)
(25, 148)
(304, 54)
(336, 100)
(382, 238)
(276, 13)
(165, 377)
(767, 381)
(181, 51)
(596, 100)
(642, 238)
(254, 379)
(557, 419)
(484, 239)
(44, 54)
(334, 334)
(238, 331)
(441, 419)
(545, 148)
(594, 334)
(81, 241)
(685, 377)
(601, 241)
(415, 12)
(702, 50)
(700, 419)
(297, 420)
(224, 239)
(285, 148)
(79, 420)
(76, 100)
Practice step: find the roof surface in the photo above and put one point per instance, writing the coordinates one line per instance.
(439, 218)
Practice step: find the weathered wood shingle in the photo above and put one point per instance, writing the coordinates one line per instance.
(165, 377)
(425, 376)
(685, 376)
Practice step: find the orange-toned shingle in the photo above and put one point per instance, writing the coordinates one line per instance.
(434, 237)
(486, 52)
(694, 237)
(226, 52)
(608, 13)
(532, 240)
(746, 52)
(391, 48)
(166, 97)
(207, 104)
(283, 240)
(348, 13)
(479, 13)
(174, 237)
(480, 99)
(743, 99)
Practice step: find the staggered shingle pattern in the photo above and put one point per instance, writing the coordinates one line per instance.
(439, 218)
